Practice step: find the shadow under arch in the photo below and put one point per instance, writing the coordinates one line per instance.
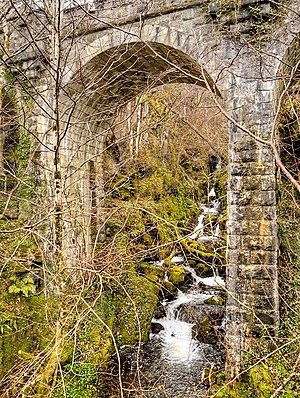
(120, 73)
(286, 98)
(91, 99)
(288, 70)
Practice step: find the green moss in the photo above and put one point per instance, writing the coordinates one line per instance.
(134, 305)
(176, 274)
(23, 326)
(197, 248)
(149, 269)
(220, 184)
(203, 268)
(261, 381)
(169, 286)
(214, 300)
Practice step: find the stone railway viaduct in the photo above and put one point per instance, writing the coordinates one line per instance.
(108, 52)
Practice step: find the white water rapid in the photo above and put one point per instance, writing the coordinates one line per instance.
(176, 335)
(186, 332)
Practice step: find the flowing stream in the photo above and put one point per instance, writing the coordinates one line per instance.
(187, 330)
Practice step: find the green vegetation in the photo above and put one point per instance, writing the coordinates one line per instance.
(63, 331)
(80, 381)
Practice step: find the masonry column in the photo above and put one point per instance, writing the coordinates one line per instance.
(252, 305)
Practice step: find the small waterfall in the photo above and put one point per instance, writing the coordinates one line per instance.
(176, 335)
(184, 334)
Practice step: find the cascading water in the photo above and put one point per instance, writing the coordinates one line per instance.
(184, 336)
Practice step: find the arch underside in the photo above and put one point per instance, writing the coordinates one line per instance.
(117, 75)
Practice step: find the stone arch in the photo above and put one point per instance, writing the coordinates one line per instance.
(107, 81)
(287, 69)
(184, 39)
(287, 83)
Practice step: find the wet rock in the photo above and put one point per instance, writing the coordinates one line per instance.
(156, 327)
(168, 290)
(214, 300)
(204, 331)
(206, 319)
(195, 313)
(160, 311)
(190, 314)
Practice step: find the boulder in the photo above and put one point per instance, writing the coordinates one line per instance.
(176, 275)
(203, 269)
(149, 269)
(168, 290)
(214, 300)
(156, 327)
(160, 312)
(204, 331)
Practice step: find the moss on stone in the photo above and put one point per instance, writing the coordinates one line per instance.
(261, 381)
(169, 286)
(23, 326)
(149, 269)
(197, 248)
(214, 300)
(203, 268)
(135, 304)
(176, 275)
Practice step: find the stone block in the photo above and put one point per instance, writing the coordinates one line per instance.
(252, 197)
(232, 284)
(240, 198)
(237, 227)
(251, 155)
(234, 241)
(263, 257)
(237, 257)
(232, 301)
(258, 242)
(264, 198)
(269, 212)
(267, 331)
(251, 212)
(245, 183)
(251, 168)
(262, 227)
(266, 155)
(259, 288)
(251, 183)
(268, 182)
(264, 302)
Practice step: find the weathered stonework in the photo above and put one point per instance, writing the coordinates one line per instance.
(117, 49)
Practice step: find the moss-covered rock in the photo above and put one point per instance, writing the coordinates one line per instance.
(214, 300)
(134, 300)
(23, 326)
(204, 331)
(203, 269)
(149, 269)
(176, 275)
(261, 381)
